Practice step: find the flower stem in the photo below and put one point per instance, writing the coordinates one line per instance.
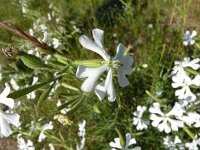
(187, 130)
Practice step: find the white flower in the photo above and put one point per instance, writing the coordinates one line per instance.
(129, 141)
(137, 120)
(42, 136)
(185, 82)
(192, 119)
(166, 122)
(180, 65)
(56, 43)
(194, 144)
(121, 62)
(22, 145)
(173, 145)
(188, 38)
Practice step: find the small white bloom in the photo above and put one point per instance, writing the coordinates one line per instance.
(166, 122)
(22, 145)
(93, 74)
(14, 84)
(185, 82)
(129, 141)
(173, 145)
(180, 65)
(194, 145)
(81, 134)
(56, 43)
(188, 38)
(42, 136)
(137, 120)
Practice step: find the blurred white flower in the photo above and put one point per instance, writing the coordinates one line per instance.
(129, 141)
(64, 110)
(32, 95)
(56, 43)
(137, 120)
(45, 32)
(188, 38)
(179, 66)
(185, 82)
(51, 147)
(120, 61)
(81, 134)
(14, 84)
(194, 145)
(166, 122)
(42, 136)
(176, 144)
(23, 145)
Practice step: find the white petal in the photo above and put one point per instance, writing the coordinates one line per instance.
(4, 126)
(122, 72)
(156, 109)
(192, 42)
(7, 101)
(106, 87)
(120, 52)
(12, 118)
(100, 90)
(194, 33)
(111, 91)
(6, 91)
(156, 120)
(127, 61)
(98, 36)
(185, 43)
(116, 144)
(91, 45)
(93, 75)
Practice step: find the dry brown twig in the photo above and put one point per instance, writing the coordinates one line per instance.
(18, 32)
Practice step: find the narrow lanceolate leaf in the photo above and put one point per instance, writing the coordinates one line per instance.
(27, 90)
(32, 61)
(61, 59)
(192, 71)
(46, 93)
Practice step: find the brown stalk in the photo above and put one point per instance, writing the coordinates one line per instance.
(18, 32)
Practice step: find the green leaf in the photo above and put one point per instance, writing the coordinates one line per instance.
(45, 94)
(27, 90)
(32, 61)
(96, 109)
(61, 59)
